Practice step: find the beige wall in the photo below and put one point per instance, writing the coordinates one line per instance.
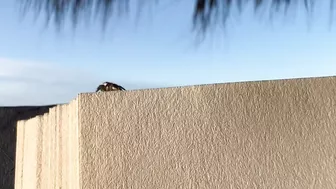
(270, 134)
(8, 119)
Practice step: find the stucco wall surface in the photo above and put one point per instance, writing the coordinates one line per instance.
(267, 134)
(8, 119)
(46, 150)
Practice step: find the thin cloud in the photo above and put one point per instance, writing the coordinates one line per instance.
(33, 83)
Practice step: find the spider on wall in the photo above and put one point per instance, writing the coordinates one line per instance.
(109, 86)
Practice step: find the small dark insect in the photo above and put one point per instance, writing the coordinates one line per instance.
(108, 86)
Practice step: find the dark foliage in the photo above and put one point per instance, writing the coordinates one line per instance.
(206, 12)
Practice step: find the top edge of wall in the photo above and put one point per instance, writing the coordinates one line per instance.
(174, 87)
(228, 83)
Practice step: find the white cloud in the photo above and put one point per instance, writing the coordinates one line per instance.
(32, 83)
(35, 83)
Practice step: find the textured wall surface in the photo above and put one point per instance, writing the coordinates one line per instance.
(8, 118)
(46, 153)
(269, 134)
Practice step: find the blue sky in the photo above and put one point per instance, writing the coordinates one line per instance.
(40, 66)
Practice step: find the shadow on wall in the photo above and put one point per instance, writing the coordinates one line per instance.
(8, 118)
